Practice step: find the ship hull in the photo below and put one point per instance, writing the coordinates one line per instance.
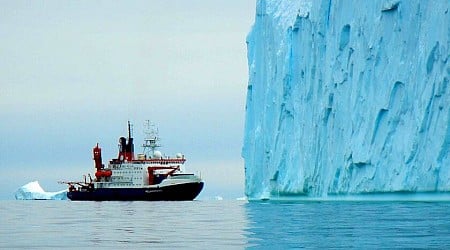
(178, 192)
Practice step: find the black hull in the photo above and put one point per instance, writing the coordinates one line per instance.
(179, 192)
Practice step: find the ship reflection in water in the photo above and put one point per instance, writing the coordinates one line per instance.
(226, 224)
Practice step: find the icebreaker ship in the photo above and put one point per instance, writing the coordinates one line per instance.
(348, 97)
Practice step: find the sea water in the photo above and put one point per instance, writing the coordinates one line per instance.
(225, 224)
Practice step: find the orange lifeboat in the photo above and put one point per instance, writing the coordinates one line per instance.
(103, 173)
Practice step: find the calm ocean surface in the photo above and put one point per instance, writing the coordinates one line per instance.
(224, 225)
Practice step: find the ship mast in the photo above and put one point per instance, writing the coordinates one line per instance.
(130, 130)
(151, 139)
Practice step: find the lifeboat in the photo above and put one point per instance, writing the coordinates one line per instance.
(103, 173)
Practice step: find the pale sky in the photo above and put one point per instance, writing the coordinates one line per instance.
(73, 72)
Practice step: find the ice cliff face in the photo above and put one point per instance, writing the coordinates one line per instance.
(348, 97)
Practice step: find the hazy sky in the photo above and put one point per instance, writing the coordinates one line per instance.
(73, 72)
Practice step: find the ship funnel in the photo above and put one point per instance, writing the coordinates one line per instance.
(97, 151)
(126, 148)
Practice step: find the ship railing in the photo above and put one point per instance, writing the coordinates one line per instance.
(161, 161)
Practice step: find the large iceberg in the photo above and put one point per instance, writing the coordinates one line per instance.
(348, 97)
(34, 191)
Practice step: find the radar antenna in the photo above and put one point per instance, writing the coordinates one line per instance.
(151, 139)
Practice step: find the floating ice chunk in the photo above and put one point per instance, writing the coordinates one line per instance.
(218, 198)
(34, 191)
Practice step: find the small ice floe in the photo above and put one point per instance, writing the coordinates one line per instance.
(34, 191)
(218, 198)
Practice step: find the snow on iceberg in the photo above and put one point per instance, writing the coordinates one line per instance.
(34, 191)
(348, 97)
